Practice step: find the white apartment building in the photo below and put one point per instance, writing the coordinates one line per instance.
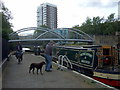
(47, 15)
(119, 10)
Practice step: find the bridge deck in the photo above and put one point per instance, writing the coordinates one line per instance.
(17, 76)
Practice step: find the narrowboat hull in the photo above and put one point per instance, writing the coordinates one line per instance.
(110, 78)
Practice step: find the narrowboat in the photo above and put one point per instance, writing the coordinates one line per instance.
(99, 62)
(108, 69)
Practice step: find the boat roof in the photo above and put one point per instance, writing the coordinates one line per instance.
(82, 47)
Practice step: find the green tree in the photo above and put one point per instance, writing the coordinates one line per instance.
(97, 25)
(6, 25)
(110, 25)
(100, 26)
(87, 26)
(38, 32)
(44, 26)
(111, 18)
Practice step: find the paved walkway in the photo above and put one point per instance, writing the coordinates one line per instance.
(17, 76)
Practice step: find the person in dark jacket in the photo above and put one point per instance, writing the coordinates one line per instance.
(19, 50)
(19, 47)
(48, 56)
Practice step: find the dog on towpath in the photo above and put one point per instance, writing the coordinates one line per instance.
(37, 66)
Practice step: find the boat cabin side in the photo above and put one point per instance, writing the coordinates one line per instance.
(90, 56)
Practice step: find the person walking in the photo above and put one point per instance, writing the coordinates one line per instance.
(19, 51)
(19, 46)
(48, 56)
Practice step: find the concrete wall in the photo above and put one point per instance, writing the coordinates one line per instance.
(105, 39)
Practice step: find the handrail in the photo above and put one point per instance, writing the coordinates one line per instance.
(61, 59)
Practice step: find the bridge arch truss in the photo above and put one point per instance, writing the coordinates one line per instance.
(45, 34)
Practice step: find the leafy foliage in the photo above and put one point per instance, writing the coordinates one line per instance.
(6, 25)
(44, 26)
(100, 26)
(38, 32)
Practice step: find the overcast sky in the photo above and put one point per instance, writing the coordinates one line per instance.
(70, 12)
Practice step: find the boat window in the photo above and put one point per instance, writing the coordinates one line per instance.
(106, 51)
